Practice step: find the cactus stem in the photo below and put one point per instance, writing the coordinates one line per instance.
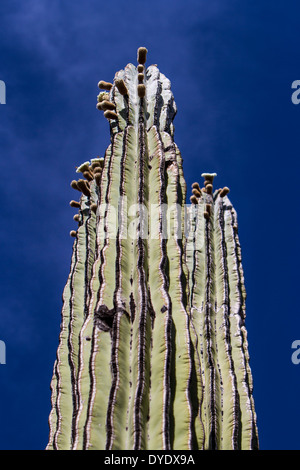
(153, 350)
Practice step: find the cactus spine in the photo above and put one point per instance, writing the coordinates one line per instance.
(153, 349)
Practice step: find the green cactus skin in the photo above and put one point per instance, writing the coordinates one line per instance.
(153, 349)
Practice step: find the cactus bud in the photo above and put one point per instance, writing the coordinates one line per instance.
(73, 233)
(140, 77)
(74, 185)
(97, 162)
(196, 192)
(104, 105)
(75, 204)
(105, 85)
(103, 96)
(209, 188)
(193, 199)
(140, 68)
(76, 217)
(97, 178)
(97, 170)
(88, 175)
(142, 55)
(224, 191)
(83, 167)
(82, 185)
(141, 91)
(196, 186)
(110, 115)
(206, 215)
(121, 86)
(209, 176)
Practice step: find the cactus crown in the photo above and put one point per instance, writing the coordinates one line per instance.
(153, 349)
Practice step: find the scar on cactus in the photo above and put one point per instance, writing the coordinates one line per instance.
(153, 349)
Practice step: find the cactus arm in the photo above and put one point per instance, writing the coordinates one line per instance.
(100, 385)
(228, 408)
(86, 334)
(73, 311)
(53, 413)
(178, 293)
(230, 398)
(195, 261)
(238, 333)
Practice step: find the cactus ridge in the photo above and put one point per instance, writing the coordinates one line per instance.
(153, 350)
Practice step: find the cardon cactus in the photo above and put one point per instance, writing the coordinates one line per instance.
(153, 350)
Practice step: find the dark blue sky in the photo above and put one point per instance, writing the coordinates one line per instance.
(231, 65)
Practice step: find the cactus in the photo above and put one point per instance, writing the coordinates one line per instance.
(153, 349)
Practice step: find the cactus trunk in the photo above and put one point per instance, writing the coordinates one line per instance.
(153, 349)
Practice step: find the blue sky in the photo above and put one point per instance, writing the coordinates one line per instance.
(231, 65)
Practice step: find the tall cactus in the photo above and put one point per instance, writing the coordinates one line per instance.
(153, 349)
